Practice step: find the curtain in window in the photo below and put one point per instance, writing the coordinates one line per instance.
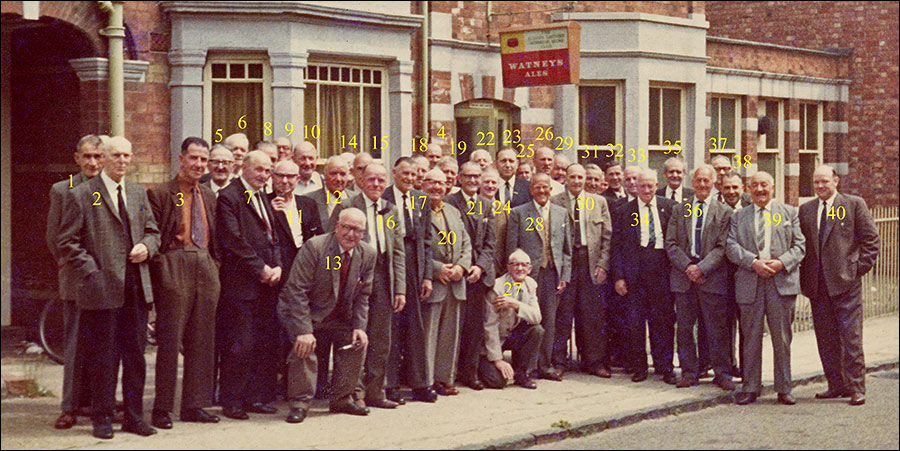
(230, 101)
(340, 118)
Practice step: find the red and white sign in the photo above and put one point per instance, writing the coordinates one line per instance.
(544, 55)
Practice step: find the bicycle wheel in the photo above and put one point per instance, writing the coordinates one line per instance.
(52, 330)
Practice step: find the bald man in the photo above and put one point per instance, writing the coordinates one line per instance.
(307, 156)
(433, 153)
(544, 162)
(239, 145)
(337, 173)
(360, 162)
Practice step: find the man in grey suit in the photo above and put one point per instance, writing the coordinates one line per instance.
(75, 392)
(766, 244)
(591, 228)
(337, 174)
(107, 236)
(540, 228)
(327, 294)
(843, 247)
(695, 242)
(452, 257)
(384, 232)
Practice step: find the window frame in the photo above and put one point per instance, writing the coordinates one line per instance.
(738, 131)
(683, 94)
(619, 116)
(818, 151)
(779, 152)
(235, 58)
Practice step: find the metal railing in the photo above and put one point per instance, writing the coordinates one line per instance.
(880, 286)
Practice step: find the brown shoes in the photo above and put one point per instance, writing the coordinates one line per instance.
(65, 421)
(831, 394)
(686, 382)
(382, 404)
(445, 389)
(725, 384)
(601, 372)
(787, 399)
(552, 375)
(857, 399)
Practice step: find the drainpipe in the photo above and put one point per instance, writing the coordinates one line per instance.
(116, 34)
(424, 88)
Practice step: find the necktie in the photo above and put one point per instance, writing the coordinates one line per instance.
(698, 229)
(373, 234)
(577, 228)
(198, 234)
(123, 214)
(508, 191)
(761, 231)
(262, 214)
(673, 196)
(406, 215)
(546, 252)
(345, 268)
(651, 242)
(721, 199)
(822, 223)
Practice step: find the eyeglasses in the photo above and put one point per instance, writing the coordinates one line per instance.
(355, 230)
(519, 264)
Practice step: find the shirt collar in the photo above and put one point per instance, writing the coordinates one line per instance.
(768, 206)
(652, 202)
(539, 207)
(830, 200)
(669, 190)
(111, 184)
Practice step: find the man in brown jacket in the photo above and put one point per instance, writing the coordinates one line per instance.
(185, 277)
(843, 245)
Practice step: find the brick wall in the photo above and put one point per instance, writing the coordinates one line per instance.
(870, 29)
(737, 56)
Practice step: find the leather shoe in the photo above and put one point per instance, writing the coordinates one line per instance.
(704, 375)
(445, 389)
(639, 377)
(296, 416)
(686, 382)
(669, 378)
(235, 413)
(831, 394)
(258, 407)
(198, 416)
(139, 428)
(725, 384)
(526, 382)
(602, 372)
(787, 399)
(857, 399)
(552, 375)
(349, 408)
(65, 421)
(395, 395)
(473, 383)
(425, 394)
(744, 398)
(161, 419)
(103, 428)
(383, 404)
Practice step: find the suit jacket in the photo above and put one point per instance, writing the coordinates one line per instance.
(627, 239)
(521, 192)
(685, 193)
(445, 249)
(312, 289)
(479, 224)
(421, 232)
(598, 228)
(716, 216)
(68, 282)
(499, 221)
(610, 196)
(498, 324)
(92, 242)
(310, 226)
(164, 202)
(321, 200)
(788, 245)
(393, 239)
(244, 244)
(848, 251)
(518, 237)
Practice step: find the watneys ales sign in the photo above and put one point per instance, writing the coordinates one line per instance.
(541, 55)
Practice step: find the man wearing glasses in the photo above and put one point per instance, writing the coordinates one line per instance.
(221, 164)
(327, 297)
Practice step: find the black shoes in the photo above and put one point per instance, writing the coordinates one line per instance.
(744, 398)
(139, 428)
(103, 428)
(425, 394)
(296, 416)
(639, 376)
(787, 399)
(258, 407)
(235, 413)
(394, 394)
(350, 408)
(161, 419)
(198, 416)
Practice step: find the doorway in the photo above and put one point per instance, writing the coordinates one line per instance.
(485, 124)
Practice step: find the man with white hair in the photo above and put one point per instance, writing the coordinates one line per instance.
(450, 168)
(110, 256)
(544, 161)
(337, 172)
(422, 165)
(674, 189)
(560, 165)
(433, 153)
(306, 156)
(360, 161)
(482, 157)
(639, 260)
(239, 145)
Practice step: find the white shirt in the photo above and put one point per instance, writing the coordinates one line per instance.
(375, 230)
(255, 201)
(294, 217)
(112, 190)
(501, 193)
(582, 214)
(692, 233)
(645, 216)
(404, 207)
(826, 205)
(679, 193)
(766, 252)
(314, 183)
(556, 188)
(216, 188)
(545, 214)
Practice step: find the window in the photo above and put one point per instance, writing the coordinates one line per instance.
(237, 97)
(723, 118)
(665, 115)
(346, 106)
(600, 122)
(810, 146)
(770, 147)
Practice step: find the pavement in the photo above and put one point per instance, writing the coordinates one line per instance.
(509, 418)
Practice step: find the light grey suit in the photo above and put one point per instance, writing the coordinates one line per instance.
(440, 311)
(323, 201)
(773, 297)
(522, 233)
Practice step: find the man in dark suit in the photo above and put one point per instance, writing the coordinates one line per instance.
(674, 189)
(384, 233)
(327, 293)
(185, 276)
(735, 197)
(337, 175)
(615, 191)
(408, 339)
(584, 300)
(766, 244)
(695, 242)
(541, 229)
(639, 266)
(512, 189)
(477, 214)
(75, 390)
(296, 217)
(250, 275)
(843, 245)
(221, 162)
(107, 236)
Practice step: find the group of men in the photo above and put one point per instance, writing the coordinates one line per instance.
(267, 277)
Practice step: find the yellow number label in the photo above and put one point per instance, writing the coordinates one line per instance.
(423, 145)
(612, 153)
(447, 237)
(389, 222)
(97, 200)
(580, 204)
(337, 198)
(249, 194)
(772, 220)
(483, 135)
(508, 137)
(461, 146)
(499, 207)
(509, 286)
(545, 135)
(384, 142)
(70, 180)
(180, 200)
(838, 212)
(692, 210)
(736, 161)
(299, 216)
(352, 142)
(242, 124)
(480, 208)
(218, 135)
(310, 132)
(333, 263)
(441, 133)
(290, 129)
(717, 144)
(522, 150)
(267, 128)
(535, 224)
(564, 141)
(645, 219)
(634, 154)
